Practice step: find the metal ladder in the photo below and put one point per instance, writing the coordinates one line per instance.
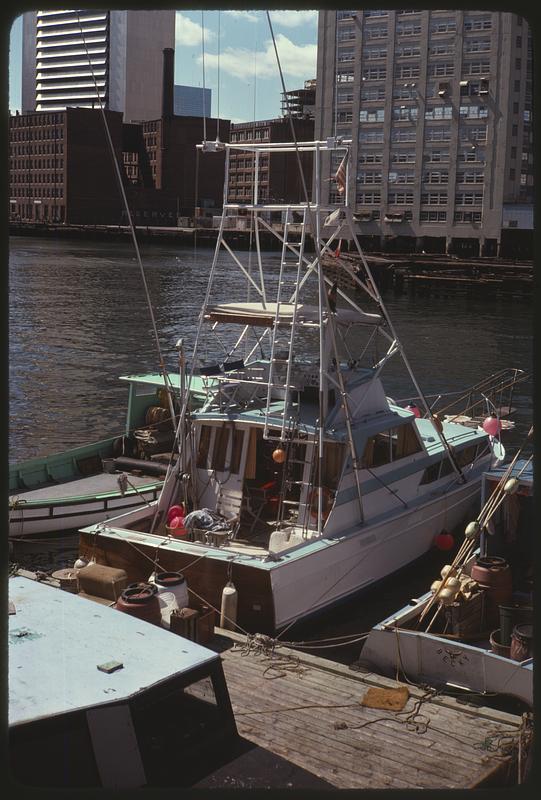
(283, 333)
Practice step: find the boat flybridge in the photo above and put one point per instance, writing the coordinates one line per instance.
(300, 480)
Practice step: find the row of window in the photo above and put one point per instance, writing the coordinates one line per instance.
(40, 177)
(430, 176)
(427, 198)
(38, 191)
(404, 71)
(467, 133)
(36, 163)
(425, 216)
(36, 134)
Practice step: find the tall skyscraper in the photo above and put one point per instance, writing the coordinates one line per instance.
(125, 49)
(438, 105)
(192, 101)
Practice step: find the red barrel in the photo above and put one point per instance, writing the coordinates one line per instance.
(493, 574)
(141, 601)
(521, 642)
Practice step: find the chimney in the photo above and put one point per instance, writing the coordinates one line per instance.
(168, 87)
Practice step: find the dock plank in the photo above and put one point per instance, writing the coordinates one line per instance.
(269, 710)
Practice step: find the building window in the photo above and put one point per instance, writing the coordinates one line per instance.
(511, 174)
(345, 76)
(371, 137)
(441, 69)
(373, 93)
(437, 133)
(442, 49)
(372, 115)
(477, 23)
(434, 198)
(433, 216)
(443, 26)
(408, 29)
(404, 134)
(473, 112)
(472, 155)
(373, 53)
(400, 198)
(437, 156)
(470, 176)
(369, 158)
(369, 177)
(345, 54)
(518, 63)
(473, 133)
(476, 68)
(467, 216)
(374, 73)
(405, 113)
(403, 157)
(469, 199)
(436, 176)
(403, 71)
(368, 198)
(402, 176)
(346, 34)
(345, 96)
(376, 32)
(476, 45)
(439, 112)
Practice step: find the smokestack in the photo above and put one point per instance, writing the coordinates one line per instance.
(168, 87)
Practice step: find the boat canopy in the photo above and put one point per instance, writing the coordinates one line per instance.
(265, 314)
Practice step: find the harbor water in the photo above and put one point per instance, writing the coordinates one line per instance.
(79, 319)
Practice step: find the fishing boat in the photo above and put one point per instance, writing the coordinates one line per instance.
(61, 492)
(299, 482)
(474, 629)
(101, 698)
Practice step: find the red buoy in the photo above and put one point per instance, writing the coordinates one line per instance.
(444, 541)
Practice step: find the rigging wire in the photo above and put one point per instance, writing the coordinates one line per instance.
(203, 63)
(130, 221)
(218, 111)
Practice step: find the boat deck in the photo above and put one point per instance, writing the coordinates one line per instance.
(309, 711)
(102, 483)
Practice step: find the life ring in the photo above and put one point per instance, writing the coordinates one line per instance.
(327, 502)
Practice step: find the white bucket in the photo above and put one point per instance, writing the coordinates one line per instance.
(172, 593)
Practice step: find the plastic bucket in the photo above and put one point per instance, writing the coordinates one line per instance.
(521, 642)
(172, 593)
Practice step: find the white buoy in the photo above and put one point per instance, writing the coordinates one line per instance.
(80, 563)
(228, 610)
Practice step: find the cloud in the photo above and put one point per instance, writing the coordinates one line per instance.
(293, 19)
(246, 16)
(297, 61)
(188, 33)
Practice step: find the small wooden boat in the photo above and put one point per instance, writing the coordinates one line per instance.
(100, 698)
(481, 640)
(88, 484)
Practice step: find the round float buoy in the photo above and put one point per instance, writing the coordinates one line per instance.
(279, 455)
(492, 426)
(444, 541)
(438, 424)
(175, 511)
(414, 410)
(472, 529)
(511, 486)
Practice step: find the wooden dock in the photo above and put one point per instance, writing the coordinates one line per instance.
(309, 711)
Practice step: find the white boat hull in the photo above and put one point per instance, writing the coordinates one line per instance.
(346, 565)
(27, 520)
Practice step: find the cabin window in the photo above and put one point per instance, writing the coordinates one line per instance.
(204, 443)
(390, 445)
(466, 456)
(408, 442)
(333, 461)
(221, 440)
(446, 468)
(236, 450)
(431, 473)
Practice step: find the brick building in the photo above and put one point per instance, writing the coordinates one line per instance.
(61, 169)
(279, 178)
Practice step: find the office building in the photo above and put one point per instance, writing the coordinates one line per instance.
(124, 49)
(438, 105)
(192, 101)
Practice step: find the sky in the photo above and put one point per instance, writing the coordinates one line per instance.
(238, 55)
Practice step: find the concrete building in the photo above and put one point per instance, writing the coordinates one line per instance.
(125, 50)
(192, 101)
(279, 179)
(438, 105)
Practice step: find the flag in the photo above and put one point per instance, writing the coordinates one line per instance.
(338, 249)
(340, 176)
